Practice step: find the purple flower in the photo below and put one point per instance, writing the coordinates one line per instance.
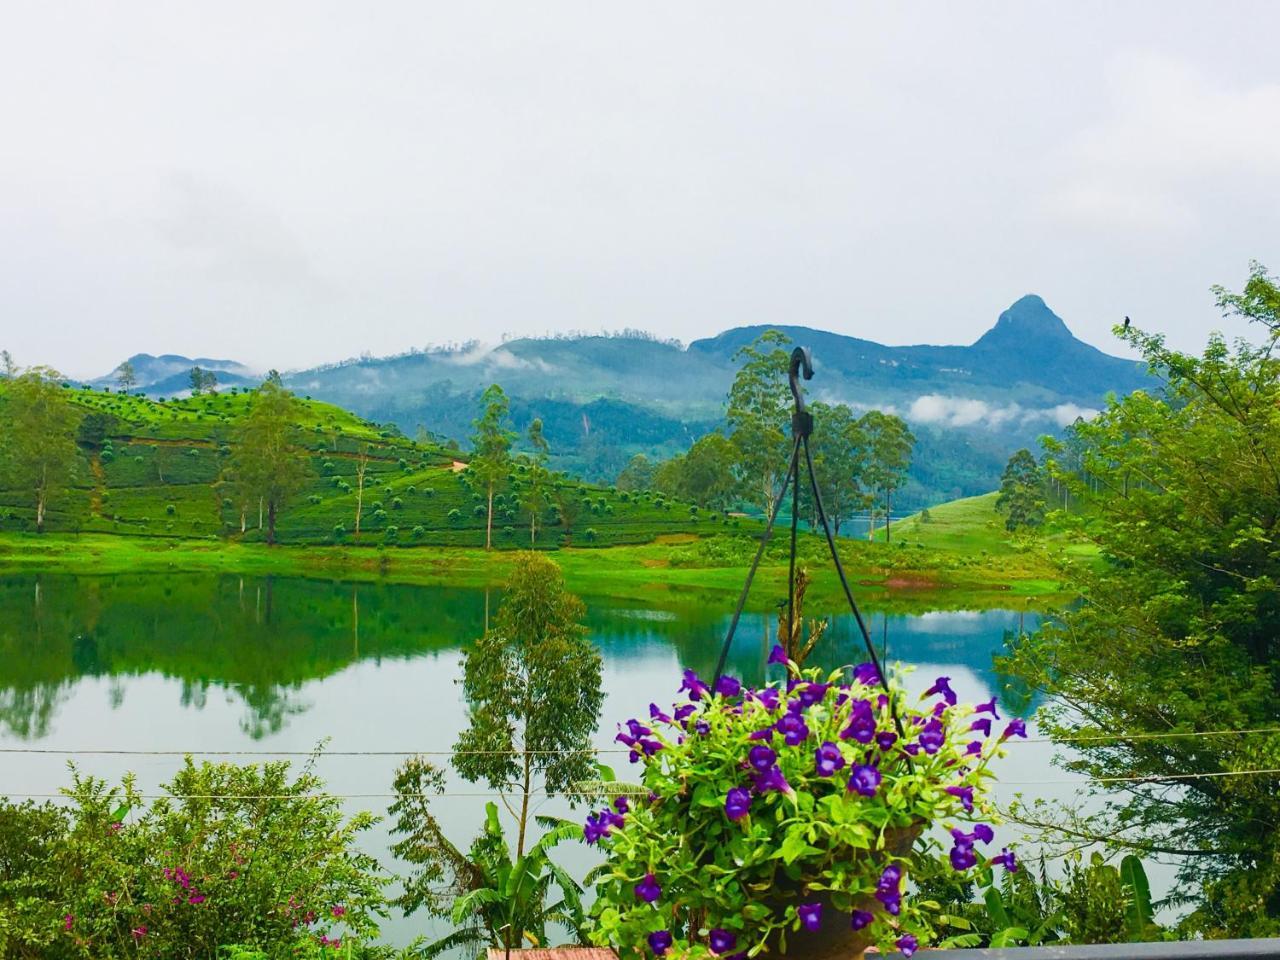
(696, 688)
(887, 890)
(768, 697)
(621, 804)
(886, 740)
(722, 941)
(974, 748)
(1016, 728)
(983, 726)
(932, 737)
(864, 780)
(828, 759)
(793, 729)
(980, 832)
(860, 919)
(939, 709)
(638, 729)
(862, 723)
(907, 944)
(737, 804)
(810, 915)
(728, 687)
(656, 714)
(778, 655)
(765, 734)
(965, 794)
(761, 757)
(701, 727)
(660, 942)
(962, 856)
(813, 693)
(866, 674)
(597, 827)
(772, 780)
(1007, 859)
(942, 687)
(683, 711)
(988, 707)
(648, 889)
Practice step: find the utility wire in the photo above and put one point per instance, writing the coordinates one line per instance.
(621, 789)
(1172, 735)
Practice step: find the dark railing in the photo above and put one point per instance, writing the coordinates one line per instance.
(1174, 950)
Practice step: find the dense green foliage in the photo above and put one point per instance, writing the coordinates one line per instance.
(1021, 498)
(37, 446)
(172, 469)
(232, 855)
(1177, 636)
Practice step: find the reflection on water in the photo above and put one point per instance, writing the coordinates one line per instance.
(207, 663)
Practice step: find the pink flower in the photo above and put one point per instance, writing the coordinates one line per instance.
(196, 899)
(116, 827)
(68, 920)
(338, 912)
(138, 932)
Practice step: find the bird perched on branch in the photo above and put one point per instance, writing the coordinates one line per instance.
(1126, 323)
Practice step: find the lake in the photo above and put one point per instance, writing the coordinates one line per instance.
(225, 663)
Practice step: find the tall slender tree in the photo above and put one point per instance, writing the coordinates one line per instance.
(8, 368)
(758, 414)
(1021, 497)
(537, 478)
(125, 377)
(533, 686)
(38, 448)
(267, 464)
(839, 460)
(491, 450)
(889, 445)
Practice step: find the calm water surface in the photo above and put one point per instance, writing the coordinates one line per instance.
(206, 663)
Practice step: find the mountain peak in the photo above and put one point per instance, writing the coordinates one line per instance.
(1027, 319)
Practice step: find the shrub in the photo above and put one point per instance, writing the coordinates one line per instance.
(227, 504)
(455, 515)
(410, 490)
(179, 877)
(339, 530)
(137, 459)
(170, 509)
(479, 510)
(590, 534)
(379, 515)
(396, 503)
(418, 532)
(392, 534)
(314, 499)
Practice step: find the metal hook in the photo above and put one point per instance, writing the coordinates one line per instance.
(801, 365)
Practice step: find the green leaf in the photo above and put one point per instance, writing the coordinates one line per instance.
(996, 908)
(1138, 913)
(1009, 937)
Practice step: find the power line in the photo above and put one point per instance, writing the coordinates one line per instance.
(622, 789)
(54, 751)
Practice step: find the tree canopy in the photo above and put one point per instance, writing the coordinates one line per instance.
(38, 449)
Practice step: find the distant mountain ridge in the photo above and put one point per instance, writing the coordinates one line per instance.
(168, 374)
(603, 398)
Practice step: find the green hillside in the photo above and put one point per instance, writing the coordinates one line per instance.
(160, 469)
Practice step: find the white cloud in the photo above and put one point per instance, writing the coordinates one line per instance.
(1174, 137)
(949, 411)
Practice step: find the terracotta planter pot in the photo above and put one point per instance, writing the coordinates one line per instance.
(835, 939)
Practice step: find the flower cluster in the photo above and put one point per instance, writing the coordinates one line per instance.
(769, 808)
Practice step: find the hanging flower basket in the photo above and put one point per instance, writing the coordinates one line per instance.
(781, 818)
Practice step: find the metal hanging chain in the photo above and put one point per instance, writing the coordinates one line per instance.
(755, 563)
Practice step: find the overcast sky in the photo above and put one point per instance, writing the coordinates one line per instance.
(287, 184)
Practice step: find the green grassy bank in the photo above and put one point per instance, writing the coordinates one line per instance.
(960, 556)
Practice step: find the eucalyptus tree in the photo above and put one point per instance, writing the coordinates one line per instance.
(38, 451)
(126, 378)
(491, 450)
(759, 411)
(839, 460)
(637, 474)
(533, 691)
(8, 368)
(888, 444)
(1021, 498)
(268, 465)
(537, 479)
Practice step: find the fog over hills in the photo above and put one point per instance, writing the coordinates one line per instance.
(603, 398)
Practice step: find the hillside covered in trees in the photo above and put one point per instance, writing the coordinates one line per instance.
(123, 464)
